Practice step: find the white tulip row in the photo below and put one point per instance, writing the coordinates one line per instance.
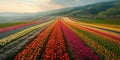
(67, 19)
(10, 38)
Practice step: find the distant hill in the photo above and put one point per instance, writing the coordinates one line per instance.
(109, 9)
(8, 17)
(17, 17)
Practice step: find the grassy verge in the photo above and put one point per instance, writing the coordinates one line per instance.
(99, 21)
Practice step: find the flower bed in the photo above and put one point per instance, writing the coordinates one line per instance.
(55, 48)
(32, 50)
(99, 49)
(10, 38)
(77, 47)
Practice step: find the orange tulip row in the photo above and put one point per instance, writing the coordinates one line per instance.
(55, 48)
(32, 50)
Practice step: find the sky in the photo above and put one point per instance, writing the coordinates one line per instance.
(32, 6)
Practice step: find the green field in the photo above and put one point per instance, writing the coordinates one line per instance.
(3, 25)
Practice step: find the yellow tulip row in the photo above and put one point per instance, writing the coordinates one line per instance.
(110, 28)
(109, 39)
(10, 38)
(96, 46)
(109, 25)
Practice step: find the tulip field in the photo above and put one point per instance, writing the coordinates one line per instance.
(61, 38)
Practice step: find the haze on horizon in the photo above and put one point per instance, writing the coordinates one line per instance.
(32, 6)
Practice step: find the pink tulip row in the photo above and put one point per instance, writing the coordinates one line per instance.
(17, 26)
(80, 51)
(98, 46)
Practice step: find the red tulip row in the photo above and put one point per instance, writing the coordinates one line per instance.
(77, 47)
(55, 48)
(17, 26)
(32, 50)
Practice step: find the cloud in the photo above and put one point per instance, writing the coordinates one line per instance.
(31, 6)
(16, 6)
(66, 3)
(77, 0)
(47, 5)
(23, 6)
